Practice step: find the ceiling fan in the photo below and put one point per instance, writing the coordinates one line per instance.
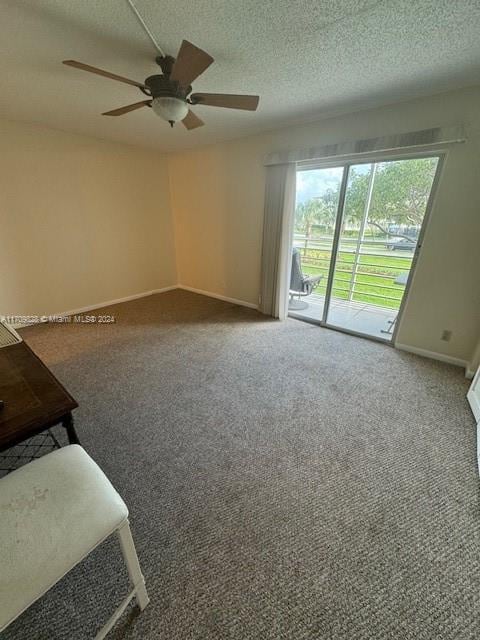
(170, 93)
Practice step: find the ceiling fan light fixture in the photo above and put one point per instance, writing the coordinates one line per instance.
(170, 109)
(168, 92)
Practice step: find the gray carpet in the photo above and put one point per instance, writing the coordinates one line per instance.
(284, 481)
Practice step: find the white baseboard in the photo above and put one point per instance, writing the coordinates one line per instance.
(98, 305)
(108, 303)
(210, 294)
(135, 296)
(434, 355)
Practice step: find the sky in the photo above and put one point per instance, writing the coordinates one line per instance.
(315, 182)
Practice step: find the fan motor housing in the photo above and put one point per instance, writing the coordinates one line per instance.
(160, 85)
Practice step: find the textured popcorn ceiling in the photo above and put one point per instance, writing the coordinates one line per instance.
(305, 58)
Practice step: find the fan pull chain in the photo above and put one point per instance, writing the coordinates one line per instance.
(149, 33)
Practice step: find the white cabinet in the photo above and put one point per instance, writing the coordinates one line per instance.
(473, 397)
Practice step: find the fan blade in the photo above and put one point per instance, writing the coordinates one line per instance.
(101, 72)
(190, 63)
(130, 107)
(192, 121)
(227, 100)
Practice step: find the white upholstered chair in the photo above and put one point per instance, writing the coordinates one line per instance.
(54, 512)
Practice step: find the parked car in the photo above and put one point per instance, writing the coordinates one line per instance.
(401, 244)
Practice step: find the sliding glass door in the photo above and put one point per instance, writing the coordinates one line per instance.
(317, 202)
(358, 226)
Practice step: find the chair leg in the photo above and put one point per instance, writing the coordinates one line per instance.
(131, 560)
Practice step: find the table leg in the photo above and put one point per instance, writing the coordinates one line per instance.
(67, 422)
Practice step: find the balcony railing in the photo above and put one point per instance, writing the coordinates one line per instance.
(365, 272)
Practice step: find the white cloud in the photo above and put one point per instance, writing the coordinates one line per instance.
(315, 182)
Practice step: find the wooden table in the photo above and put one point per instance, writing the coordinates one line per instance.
(33, 399)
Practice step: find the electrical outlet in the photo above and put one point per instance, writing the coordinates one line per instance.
(446, 335)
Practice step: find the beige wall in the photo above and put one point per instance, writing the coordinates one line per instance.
(217, 199)
(81, 221)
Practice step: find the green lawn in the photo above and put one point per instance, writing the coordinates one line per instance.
(374, 273)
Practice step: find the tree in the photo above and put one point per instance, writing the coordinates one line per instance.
(321, 210)
(402, 190)
(307, 215)
(355, 198)
(329, 204)
(400, 194)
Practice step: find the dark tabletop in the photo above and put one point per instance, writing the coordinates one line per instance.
(33, 398)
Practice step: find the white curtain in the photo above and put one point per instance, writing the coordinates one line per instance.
(277, 238)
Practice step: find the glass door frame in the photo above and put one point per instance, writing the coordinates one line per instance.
(346, 164)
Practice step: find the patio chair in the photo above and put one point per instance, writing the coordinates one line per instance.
(301, 285)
